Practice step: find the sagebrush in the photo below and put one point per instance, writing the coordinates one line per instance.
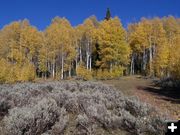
(73, 107)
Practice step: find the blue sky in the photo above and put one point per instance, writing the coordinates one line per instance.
(40, 12)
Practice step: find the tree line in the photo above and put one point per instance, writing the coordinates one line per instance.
(93, 49)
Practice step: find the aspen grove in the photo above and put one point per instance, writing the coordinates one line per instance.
(92, 50)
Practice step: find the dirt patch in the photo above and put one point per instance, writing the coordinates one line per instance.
(146, 91)
(162, 103)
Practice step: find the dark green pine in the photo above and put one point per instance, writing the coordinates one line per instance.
(108, 14)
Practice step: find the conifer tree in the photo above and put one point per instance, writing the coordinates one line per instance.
(108, 14)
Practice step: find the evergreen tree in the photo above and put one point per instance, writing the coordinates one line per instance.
(108, 14)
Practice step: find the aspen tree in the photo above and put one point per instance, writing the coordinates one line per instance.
(114, 51)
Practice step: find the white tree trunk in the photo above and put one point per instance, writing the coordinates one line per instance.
(53, 69)
(132, 65)
(87, 60)
(88, 55)
(69, 71)
(80, 53)
(90, 63)
(62, 67)
(150, 56)
(150, 60)
(76, 63)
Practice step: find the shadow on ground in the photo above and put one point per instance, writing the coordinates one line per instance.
(168, 94)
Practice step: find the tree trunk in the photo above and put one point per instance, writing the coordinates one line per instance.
(90, 55)
(132, 65)
(111, 65)
(144, 60)
(70, 71)
(150, 57)
(80, 53)
(62, 67)
(76, 63)
(87, 60)
(53, 69)
(90, 63)
(87, 55)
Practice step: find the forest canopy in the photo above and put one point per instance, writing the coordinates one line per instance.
(93, 49)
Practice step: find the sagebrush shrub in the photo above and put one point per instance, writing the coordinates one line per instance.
(32, 120)
(54, 108)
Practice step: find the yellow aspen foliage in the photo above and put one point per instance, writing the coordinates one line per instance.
(103, 74)
(174, 60)
(106, 75)
(161, 61)
(59, 39)
(10, 73)
(149, 47)
(31, 40)
(117, 71)
(113, 48)
(12, 76)
(161, 57)
(137, 37)
(44, 55)
(84, 73)
(26, 73)
(4, 70)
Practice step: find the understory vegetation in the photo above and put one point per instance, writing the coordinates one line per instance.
(74, 107)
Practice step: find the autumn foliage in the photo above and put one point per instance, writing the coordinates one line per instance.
(104, 48)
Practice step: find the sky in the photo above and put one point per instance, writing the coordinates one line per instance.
(41, 12)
